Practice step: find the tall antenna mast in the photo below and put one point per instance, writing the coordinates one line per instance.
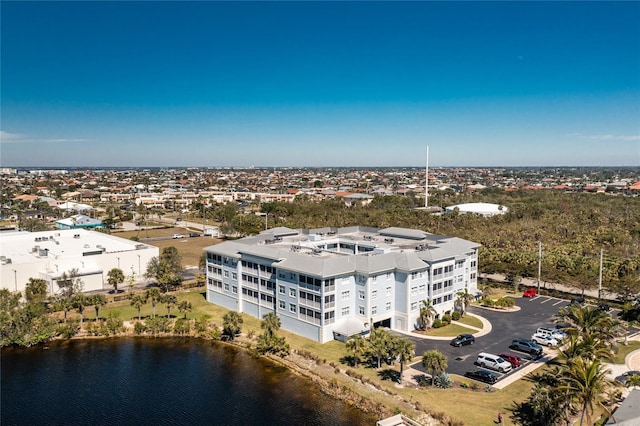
(426, 182)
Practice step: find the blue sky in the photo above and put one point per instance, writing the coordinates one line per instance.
(320, 84)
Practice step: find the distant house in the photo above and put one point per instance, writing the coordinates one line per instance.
(79, 221)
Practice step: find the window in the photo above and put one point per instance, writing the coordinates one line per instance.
(361, 294)
(374, 310)
(421, 288)
(345, 311)
(387, 307)
(361, 310)
(293, 308)
(282, 304)
(226, 286)
(281, 289)
(414, 291)
(388, 275)
(414, 306)
(374, 294)
(234, 276)
(345, 280)
(234, 289)
(374, 278)
(345, 295)
(292, 292)
(388, 291)
(226, 274)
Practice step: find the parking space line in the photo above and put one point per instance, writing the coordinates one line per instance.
(559, 302)
(545, 301)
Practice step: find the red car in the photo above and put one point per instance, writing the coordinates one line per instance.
(530, 292)
(512, 359)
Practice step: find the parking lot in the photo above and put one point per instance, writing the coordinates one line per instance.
(533, 313)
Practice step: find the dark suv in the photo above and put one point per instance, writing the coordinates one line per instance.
(463, 339)
(526, 345)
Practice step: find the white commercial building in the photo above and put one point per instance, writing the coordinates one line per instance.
(483, 209)
(337, 282)
(50, 254)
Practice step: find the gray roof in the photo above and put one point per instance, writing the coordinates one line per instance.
(305, 251)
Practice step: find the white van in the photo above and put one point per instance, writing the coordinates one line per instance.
(494, 362)
(553, 333)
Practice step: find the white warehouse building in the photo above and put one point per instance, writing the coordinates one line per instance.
(50, 254)
(333, 283)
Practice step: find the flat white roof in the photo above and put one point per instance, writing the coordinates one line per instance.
(26, 247)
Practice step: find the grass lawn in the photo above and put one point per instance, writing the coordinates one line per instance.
(469, 320)
(624, 350)
(451, 330)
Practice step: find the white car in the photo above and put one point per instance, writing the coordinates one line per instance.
(541, 339)
(176, 236)
(559, 335)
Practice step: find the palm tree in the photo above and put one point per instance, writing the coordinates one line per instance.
(170, 300)
(380, 343)
(79, 301)
(115, 277)
(464, 299)
(154, 294)
(270, 323)
(97, 300)
(586, 382)
(138, 300)
(231, 324)
(357, 346)
(587, 319)
(64, 304)
(405, 349)
(434, 361)
(427, 313)
(184, 307)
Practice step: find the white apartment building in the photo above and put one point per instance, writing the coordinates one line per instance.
(333, 283)
(49, 254)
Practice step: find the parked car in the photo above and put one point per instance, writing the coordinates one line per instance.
(482, 376)
(625, 376)
(494, 362)
(194, 234)
(578, 300)
(604, 307)
(176, 236)
(462, 340)
(557, 334)
(530, 292)
(544, 339)
(526, 345)
(512, 359)
(179, 219)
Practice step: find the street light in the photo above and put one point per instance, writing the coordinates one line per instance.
(118, 262)
(15, 278)
(139, 273)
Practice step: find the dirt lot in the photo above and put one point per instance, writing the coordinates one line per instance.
(190, 248)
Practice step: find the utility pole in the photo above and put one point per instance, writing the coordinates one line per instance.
(539, 263)
(600, 275)
(426, 182)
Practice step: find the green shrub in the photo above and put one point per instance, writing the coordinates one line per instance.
(139, 327)
(437, 323)
(487, 302)
(455, 315)
(446, 318)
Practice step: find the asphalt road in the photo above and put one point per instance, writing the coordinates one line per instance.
(506, 326)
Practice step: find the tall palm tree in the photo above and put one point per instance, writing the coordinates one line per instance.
(427, 313)
(154, 295)
(79, 301)
(464, 299)
(586, 382)
(137, 300)
(169, 300)
(380, 343)
(115, 277)
(405, 349)
(97, 300)
(356, 346)
(434, 361)
(184, 307)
